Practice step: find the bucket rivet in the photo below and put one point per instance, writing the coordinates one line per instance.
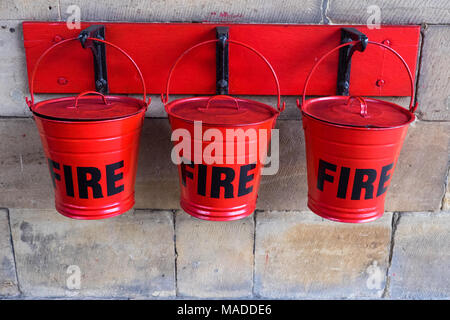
(380, 82)
(386, 42)
(62, 81)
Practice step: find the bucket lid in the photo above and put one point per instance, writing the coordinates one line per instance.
(89, 108)
(357, 112)
(366, 112)
(221, 110)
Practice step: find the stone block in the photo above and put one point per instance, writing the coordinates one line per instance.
(389, 12)
(433, 92)
(291, 11)
(214, 259)
(8, 277)
(29, 10)
(300, 255)
(128, 256)
(421, 259)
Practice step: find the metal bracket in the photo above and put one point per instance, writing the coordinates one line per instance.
(222, 63)
(345, 57)
(99, 52)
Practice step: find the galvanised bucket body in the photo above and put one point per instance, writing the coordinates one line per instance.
(349, 169)
(92, 164)
(91, 145)
(352, 150)
(226, 190)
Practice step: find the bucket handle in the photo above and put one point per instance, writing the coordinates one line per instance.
(222, 96)
(362, 103)
(30, 102)
(165, 97)
(412, 107)
(89, 92)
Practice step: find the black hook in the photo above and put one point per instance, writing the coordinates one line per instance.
(222, 34)
(345, 57)
(99, 52)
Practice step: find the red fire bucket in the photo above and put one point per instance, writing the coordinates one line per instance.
(352, 146)
(91, 145)
(223, 184)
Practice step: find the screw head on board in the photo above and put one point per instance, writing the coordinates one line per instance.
(380, 82)
(62, 81)
(57, 38)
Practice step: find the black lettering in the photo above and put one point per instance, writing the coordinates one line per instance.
(217, 182)
(384, 177)
(112, 178)
(322, 176)
(201, 185)
(244, 178)
(185, 173)
(69, 181)
(84, 183)
(343, 182)
(52, 165)
(359, 183)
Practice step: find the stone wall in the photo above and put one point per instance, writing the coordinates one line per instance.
(281, 251)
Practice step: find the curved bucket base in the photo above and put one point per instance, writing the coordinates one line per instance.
(348, 216)
(81, 213)
(215, 214)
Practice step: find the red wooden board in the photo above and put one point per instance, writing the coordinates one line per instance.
(292, 50)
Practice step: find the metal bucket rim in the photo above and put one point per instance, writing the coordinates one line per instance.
(357, 127)
(35, 107)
